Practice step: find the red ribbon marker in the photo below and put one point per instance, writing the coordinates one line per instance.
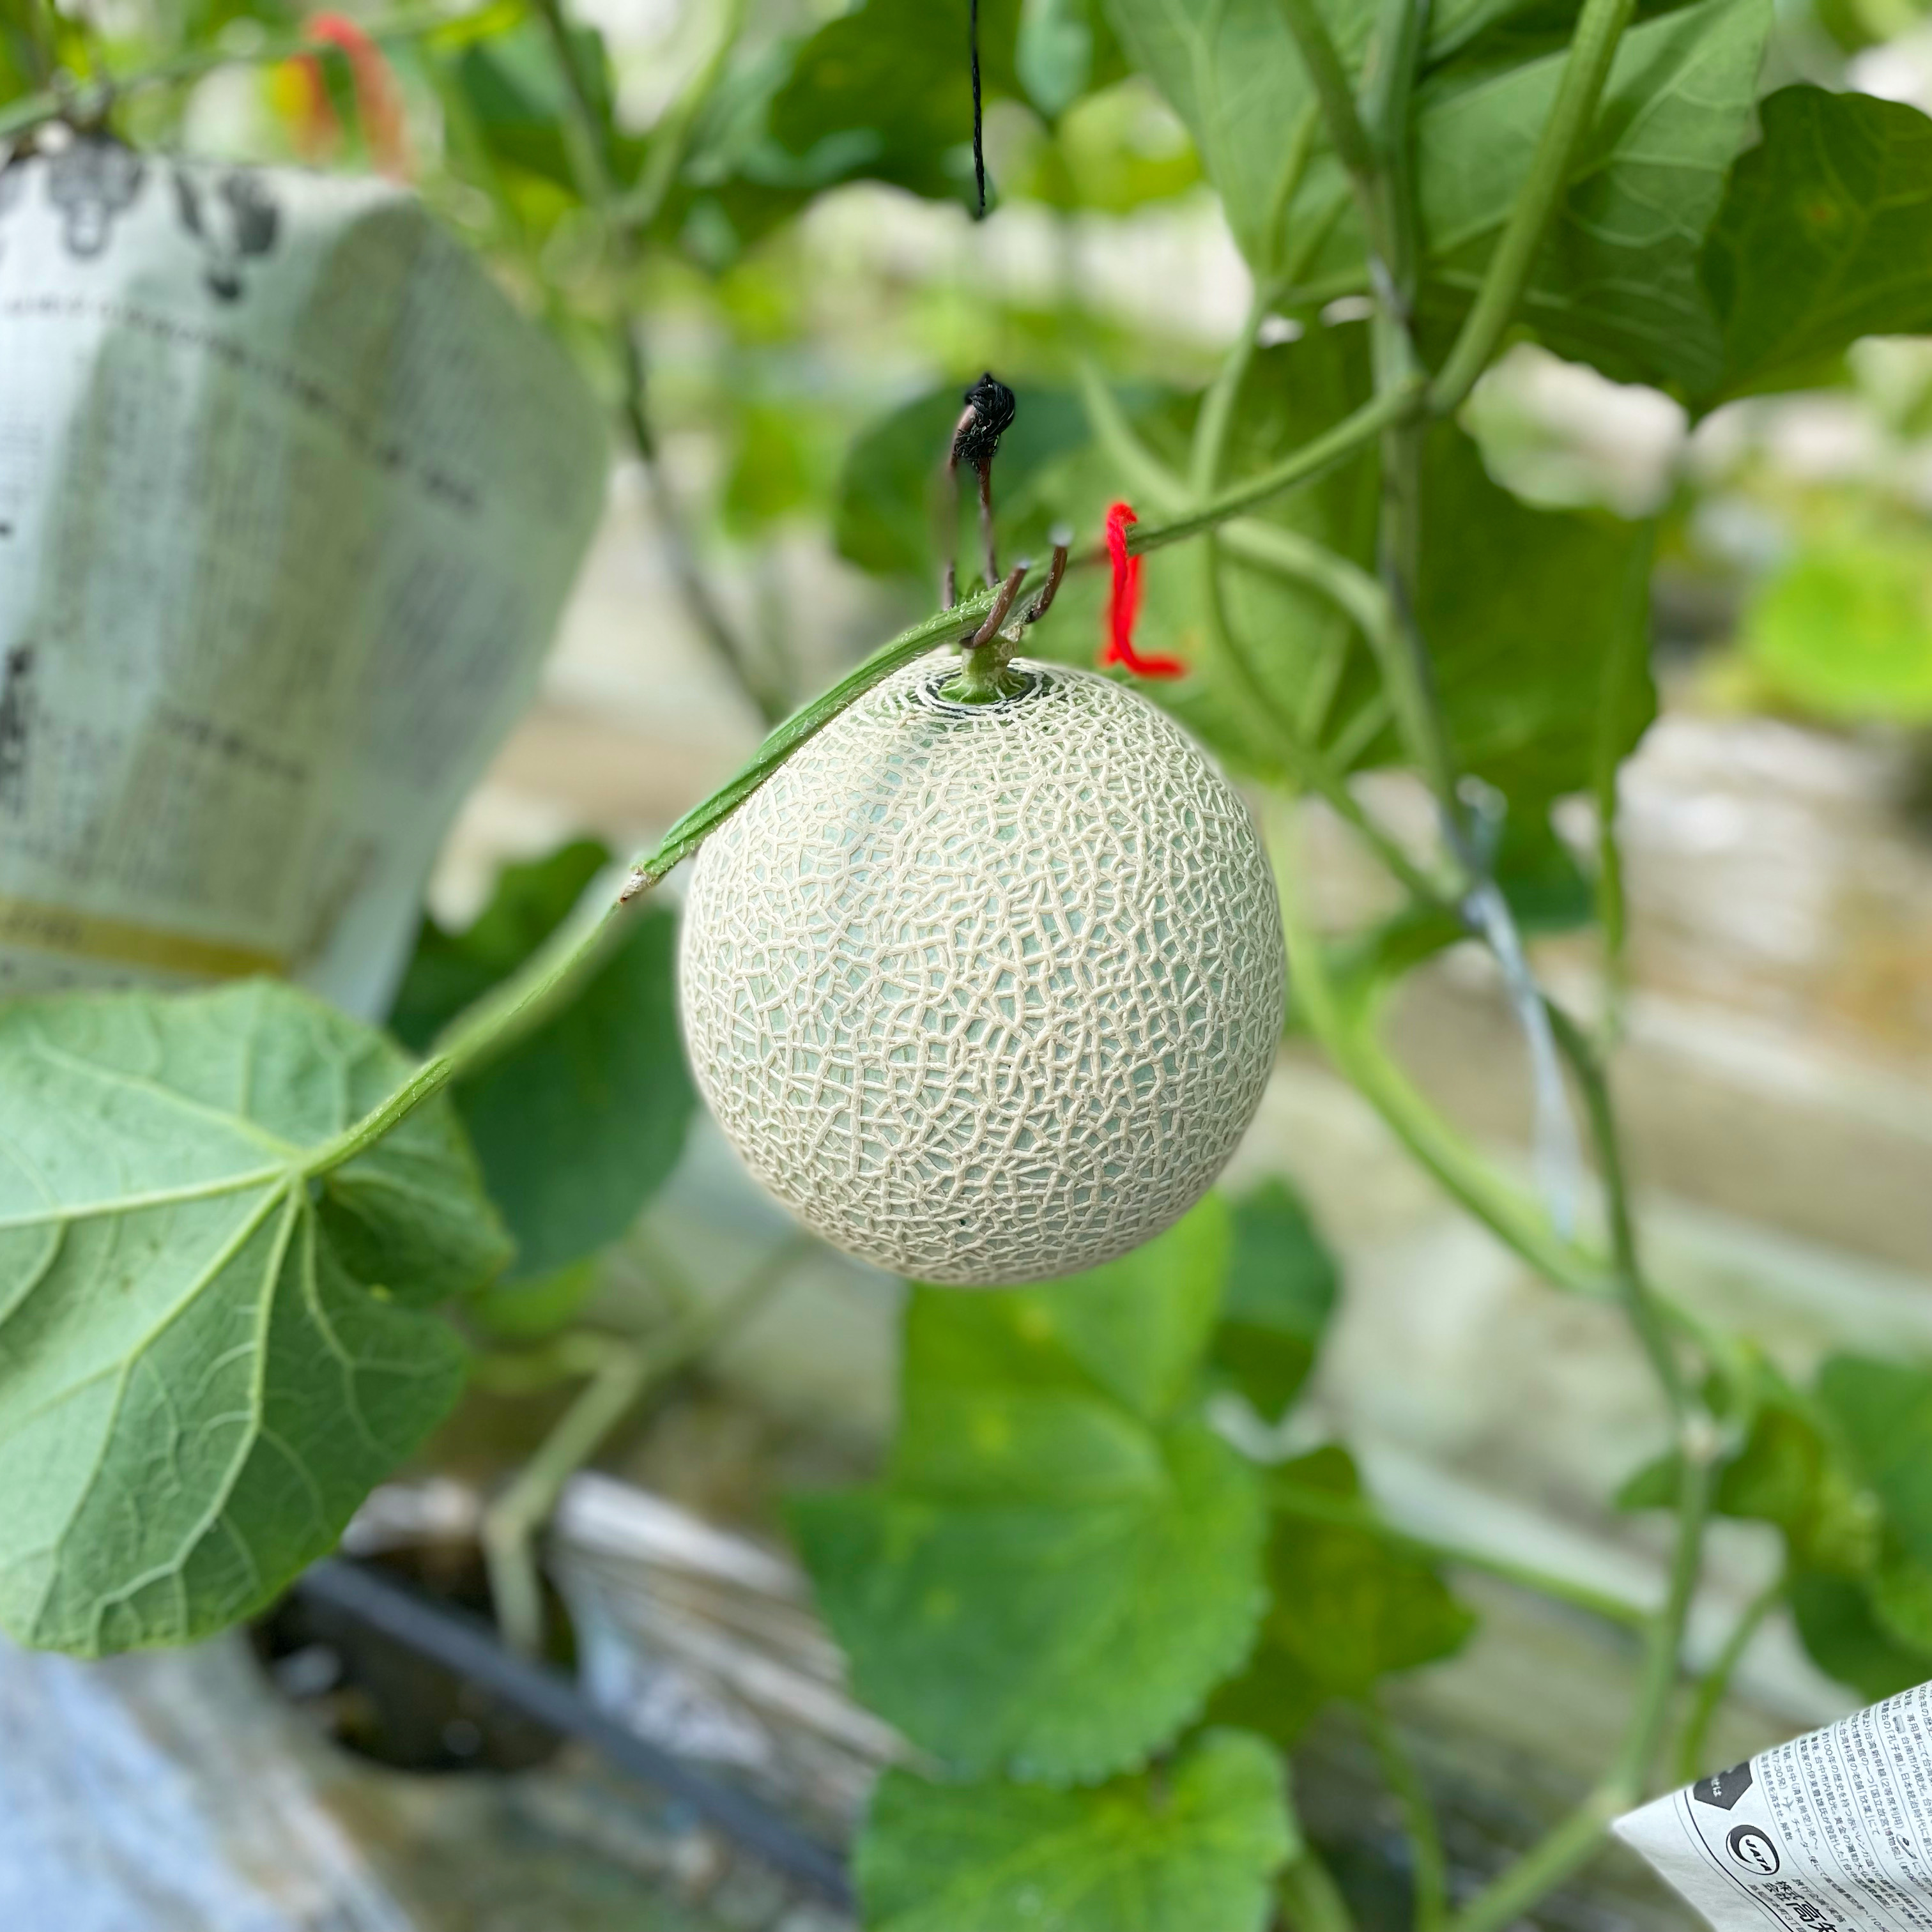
(1123, 606)
(378, 100)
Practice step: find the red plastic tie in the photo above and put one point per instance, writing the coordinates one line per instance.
(378, 99)
(1123, 606)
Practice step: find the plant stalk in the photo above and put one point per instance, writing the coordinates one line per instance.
(1599, 29)
(1309, 1899)
(587, 143)
(1404, 1779)
(1712, 1686)
(1334, 447)
(1574, 1842)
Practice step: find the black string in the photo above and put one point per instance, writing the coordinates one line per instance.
(979, 150)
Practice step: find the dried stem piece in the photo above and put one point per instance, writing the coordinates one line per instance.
(988, 414)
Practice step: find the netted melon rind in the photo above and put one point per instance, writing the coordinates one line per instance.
(986, 995)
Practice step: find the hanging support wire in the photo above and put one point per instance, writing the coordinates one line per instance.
(979, 140)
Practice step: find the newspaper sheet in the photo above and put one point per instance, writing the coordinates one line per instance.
(1830, 1833)
(290, 497)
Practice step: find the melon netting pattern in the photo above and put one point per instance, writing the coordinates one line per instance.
(986, 994)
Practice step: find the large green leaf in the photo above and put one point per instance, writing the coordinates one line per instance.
(510, 90)
(1848, 1640)
(577, 1125)
(1616, 283)
(888, 86)
(1229, 69)
(1281, 1290)
(207, 1357)
(1063, 49)
(1061, 1559)
(1841, 1473)
(1824, 235)
(1348, 1608)
(1191, 1848)
(1524, 611)
(1883, 1412)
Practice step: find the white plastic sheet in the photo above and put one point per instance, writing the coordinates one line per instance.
(290, 497)
(1832, 1832)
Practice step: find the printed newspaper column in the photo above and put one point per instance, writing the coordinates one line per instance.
(1830, 1833)
(290, 498)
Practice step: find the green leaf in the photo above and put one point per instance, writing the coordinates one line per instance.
(1229, 69)
(890, 91)
(1281, 1290)
(1791, 1470)
(1843, 1475)
(1824, 235)
(1617, 282)
(513, 97)
(1189, 1848)
(1061, 1559)
(534, 1310)
(1844, 628)
(1064, 48)
(577, 1125)
(207, 1358)
(1347, 1609)
(1523, 610)
(1883, 1412)
(1900, 1589)
(1847, 1639)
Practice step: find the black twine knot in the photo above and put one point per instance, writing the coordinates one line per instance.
(990, 406)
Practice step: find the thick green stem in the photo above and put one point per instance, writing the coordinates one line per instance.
(1399, 1773)
(1579, 1838)
(588, 145)
(1645, 1313)
(621, 1372)
(1624, 689)
(1334, 446)
(1592, 49)
(1351, 1043)
(1717, 1681)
